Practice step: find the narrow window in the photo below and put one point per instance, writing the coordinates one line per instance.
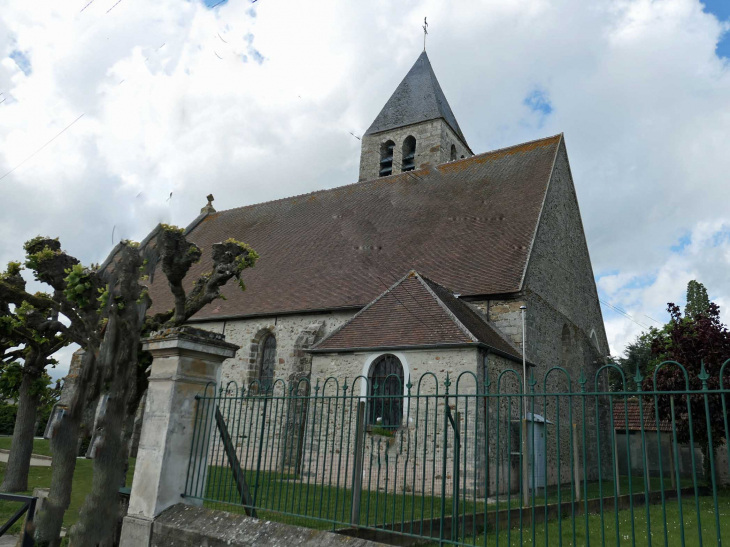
(565, 352)
(409, 154)
(386, 392)
(268, 362)
(453, 152)
(594, 339)
(386, 158)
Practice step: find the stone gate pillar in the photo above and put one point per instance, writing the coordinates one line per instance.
(184, 361)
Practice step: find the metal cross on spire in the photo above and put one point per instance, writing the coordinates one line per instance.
(425, 32)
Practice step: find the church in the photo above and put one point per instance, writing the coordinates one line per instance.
(423, 265)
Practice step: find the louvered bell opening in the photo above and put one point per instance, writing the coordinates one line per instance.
(409, 162)
(386, 159)
(409, 154)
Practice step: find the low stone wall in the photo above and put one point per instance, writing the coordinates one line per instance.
(187, 526)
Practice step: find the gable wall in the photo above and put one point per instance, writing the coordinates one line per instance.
(559, 285)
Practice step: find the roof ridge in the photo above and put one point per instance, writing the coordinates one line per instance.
(542, 209)
(469, 309)
(364, 309)
(379, 179)
(445, 308)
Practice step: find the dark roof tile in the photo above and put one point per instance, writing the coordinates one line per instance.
(415, 311)
(468, 225)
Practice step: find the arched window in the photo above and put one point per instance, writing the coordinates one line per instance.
(565, 351)
(453, 152)
(268, 363)
(409, 154)
(385, 407)
(594, 340)
(386, 158)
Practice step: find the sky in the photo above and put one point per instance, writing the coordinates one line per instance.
(116, 115)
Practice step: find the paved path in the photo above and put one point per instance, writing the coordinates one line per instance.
(8, 541)
(35, 462)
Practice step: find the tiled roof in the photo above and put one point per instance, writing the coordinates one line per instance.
(415, 312)
(468, 225)
(619, 420)
(417, 98)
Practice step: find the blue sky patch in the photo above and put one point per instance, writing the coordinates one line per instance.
(256, 55)
(684, 240)
(21, 59)
(721, 10)
(212, 3)
(538, 101)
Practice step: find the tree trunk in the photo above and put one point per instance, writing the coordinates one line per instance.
(98, 518)
(21, 448)
(50, 520)
(64, 446)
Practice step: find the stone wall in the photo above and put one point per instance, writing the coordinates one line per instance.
(433, 147)
(319, 446)
(186, 526)
(292, 332)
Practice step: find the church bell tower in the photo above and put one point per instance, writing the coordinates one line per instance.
(415, 128)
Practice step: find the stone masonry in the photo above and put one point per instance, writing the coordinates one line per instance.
(433, 147)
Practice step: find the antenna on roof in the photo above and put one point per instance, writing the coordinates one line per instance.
(425, 32)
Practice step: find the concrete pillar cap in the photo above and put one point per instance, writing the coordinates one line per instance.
(187, 338)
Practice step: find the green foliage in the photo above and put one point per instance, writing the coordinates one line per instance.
(78, 285)
(637, 356)
(172, 228)
(31, 244)
(246, 259)
(382, 431)
(103, 299)
(34, 261)
(13, 269)
(11, 376)
(8, 412)
(697, 299)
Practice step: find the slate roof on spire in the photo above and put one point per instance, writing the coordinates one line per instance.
(418, 98)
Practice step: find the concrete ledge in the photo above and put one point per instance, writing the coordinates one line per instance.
(34, 456)
(136, 532)
(187, 526)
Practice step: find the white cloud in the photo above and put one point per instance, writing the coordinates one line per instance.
(635, 85)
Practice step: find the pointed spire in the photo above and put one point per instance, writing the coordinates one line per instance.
(417, 99)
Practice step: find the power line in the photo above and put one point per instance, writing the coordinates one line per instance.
(576, 285)
(42, 147)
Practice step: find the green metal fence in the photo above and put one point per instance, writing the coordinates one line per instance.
(473, 461)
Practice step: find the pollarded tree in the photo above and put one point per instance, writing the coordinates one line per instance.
(701, 343)
(33, 334)
(76, 301)
(120, 350)
(106, 309)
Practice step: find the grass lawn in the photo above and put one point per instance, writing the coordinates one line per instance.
(561, 533)
(288, 499)
(40, 477)
(40, 446)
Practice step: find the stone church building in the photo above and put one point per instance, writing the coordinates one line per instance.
(420, 269)
(427, 259)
